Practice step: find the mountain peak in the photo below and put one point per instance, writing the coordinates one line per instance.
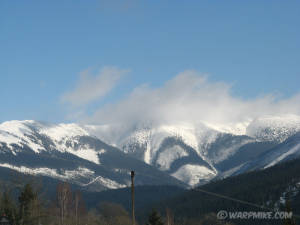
(182, 150)
(274, 128)
(67, 152)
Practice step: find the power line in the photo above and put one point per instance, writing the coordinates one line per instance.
(237, 200)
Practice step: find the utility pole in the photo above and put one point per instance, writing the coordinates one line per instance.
(132, 197)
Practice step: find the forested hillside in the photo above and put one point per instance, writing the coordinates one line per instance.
(269, 189)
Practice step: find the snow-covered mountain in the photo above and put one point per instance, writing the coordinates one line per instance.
(274, 128)
(68, 152)
(287, 150)
(171, 148)
(102, 156)
(195, 153)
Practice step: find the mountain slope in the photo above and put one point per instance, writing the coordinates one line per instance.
(287, 150)
(267, 188)
(192, 153)
(67, 152)
(196, 153)
(274, 128)
(170, 148)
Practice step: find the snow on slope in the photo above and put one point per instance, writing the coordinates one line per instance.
(198, 173)
(281, 157)
(19, 133)
(206, 139)
(64, 175)
(107, 183)
(166, 157)
(185, 132)
(49, 172)
(224, 152)
(158, 134)
(231, 128)
(149, 138)
(274, 128)
(64, 137)
(197, 136)
(63, 131)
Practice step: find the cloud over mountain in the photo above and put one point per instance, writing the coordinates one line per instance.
(190, 97)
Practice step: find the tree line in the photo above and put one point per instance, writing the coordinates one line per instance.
(28, 206)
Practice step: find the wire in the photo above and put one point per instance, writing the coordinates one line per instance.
(238, 200)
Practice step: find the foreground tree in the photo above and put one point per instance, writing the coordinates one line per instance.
(169, 217)
(94, 218)
(64, 200)
(155, 218)
(8, 207)
(29, 212)
(79, 207)
(114, 214)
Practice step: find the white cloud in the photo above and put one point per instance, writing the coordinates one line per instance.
(191, 97)
(93, 87)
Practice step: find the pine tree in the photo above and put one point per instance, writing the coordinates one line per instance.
(27, 201)
(8, 207)
(154, 218)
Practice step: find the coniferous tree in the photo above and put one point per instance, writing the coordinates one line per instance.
(8, 207)
(155, 218)
(28, 205)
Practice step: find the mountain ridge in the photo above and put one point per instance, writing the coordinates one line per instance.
(192, 154)
(28, 149)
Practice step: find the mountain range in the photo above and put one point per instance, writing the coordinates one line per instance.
(98, 157)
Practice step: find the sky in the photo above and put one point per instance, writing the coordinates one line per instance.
(113, 61)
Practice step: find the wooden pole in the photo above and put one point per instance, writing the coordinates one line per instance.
(132, 197)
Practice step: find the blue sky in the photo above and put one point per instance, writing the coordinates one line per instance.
(252, 46)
